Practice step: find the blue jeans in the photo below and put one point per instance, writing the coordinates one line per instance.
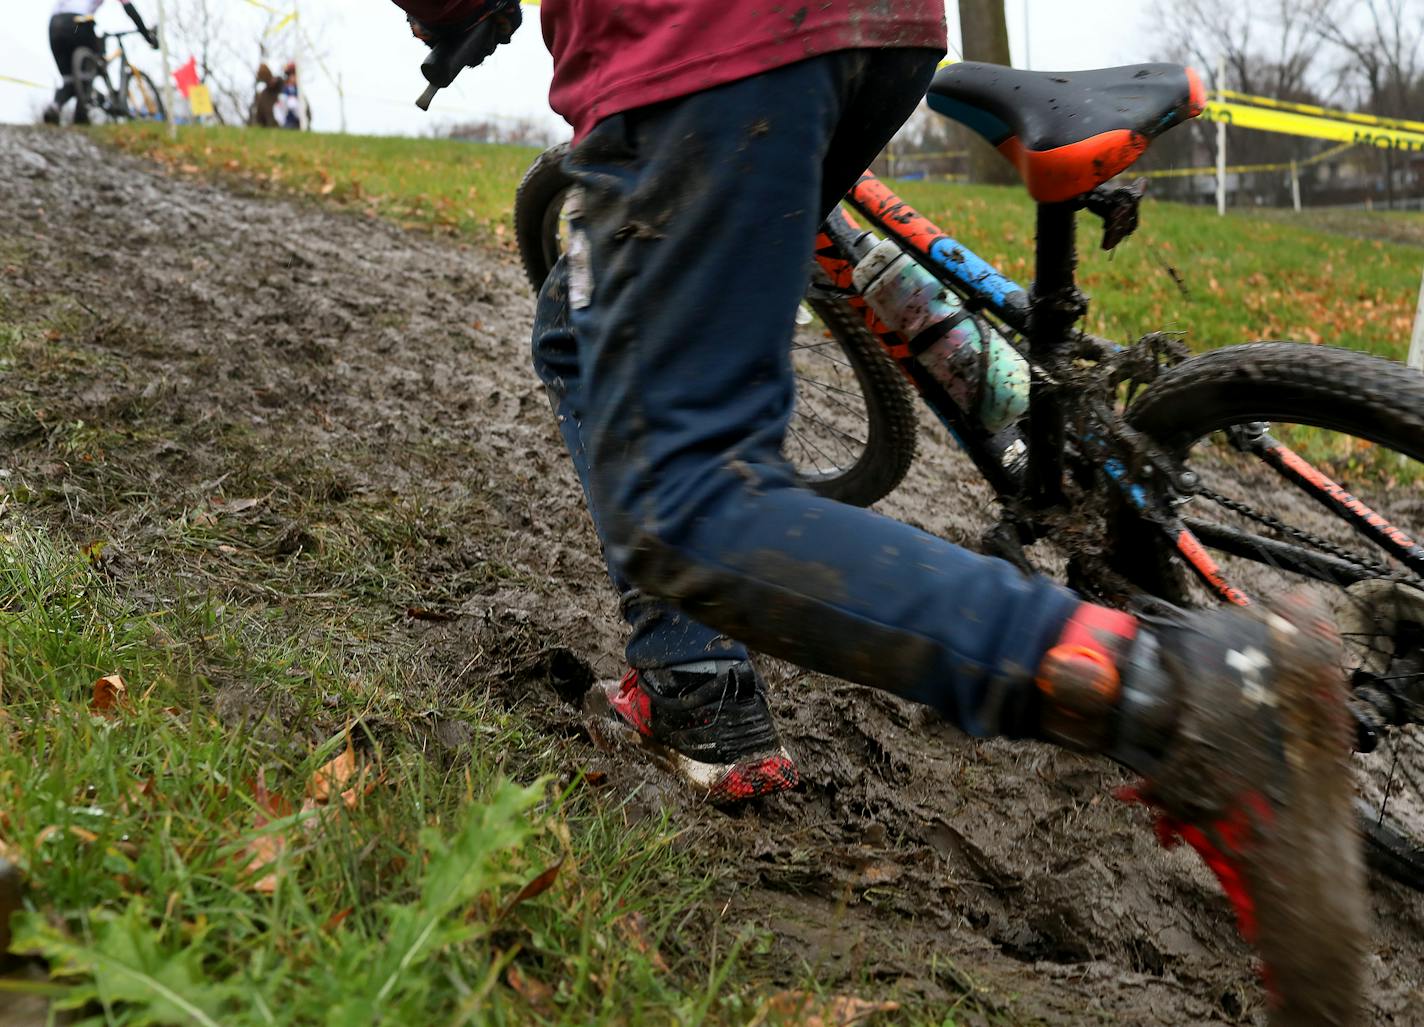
(666, 351)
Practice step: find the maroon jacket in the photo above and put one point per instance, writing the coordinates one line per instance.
(617, 55)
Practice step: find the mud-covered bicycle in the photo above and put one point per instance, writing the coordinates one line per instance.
(129, 95)
(1152, 478)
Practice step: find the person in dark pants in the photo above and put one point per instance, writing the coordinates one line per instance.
(71, 27)
(711, 139)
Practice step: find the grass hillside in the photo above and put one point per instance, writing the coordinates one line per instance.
(1322, 278)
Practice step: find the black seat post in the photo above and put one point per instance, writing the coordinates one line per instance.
(1056, 306)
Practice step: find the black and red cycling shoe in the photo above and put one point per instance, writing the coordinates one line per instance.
(709, 724)
(1237, 720)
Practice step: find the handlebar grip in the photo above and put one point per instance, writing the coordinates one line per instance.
(449, 57)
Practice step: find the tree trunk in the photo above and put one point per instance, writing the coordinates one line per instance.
(984, 34)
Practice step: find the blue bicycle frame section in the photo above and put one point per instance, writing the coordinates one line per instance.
(950, 260)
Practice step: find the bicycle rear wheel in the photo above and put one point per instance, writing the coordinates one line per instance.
(94, 96)
(1232, 417)
(852, 434)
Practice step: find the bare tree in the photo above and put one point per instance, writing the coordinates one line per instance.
(1380, 42)
(229, 49)
(984, 36)
(1266, 48)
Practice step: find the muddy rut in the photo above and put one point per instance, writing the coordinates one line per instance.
(352, 374)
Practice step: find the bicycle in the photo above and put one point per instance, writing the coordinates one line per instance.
(1131, 461)
(134, 97)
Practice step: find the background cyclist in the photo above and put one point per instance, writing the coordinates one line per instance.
(71, 26)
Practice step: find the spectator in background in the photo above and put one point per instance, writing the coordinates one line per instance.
(269, 89)
(288, 108)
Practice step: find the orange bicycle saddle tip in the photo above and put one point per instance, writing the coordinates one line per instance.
(1068, 132)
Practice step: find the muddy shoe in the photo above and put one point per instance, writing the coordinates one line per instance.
(1237, 720)
(708, 723)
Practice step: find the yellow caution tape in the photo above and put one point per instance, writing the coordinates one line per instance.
(916, 155)
(1287, 123)
(23, 82)
(1250, 169)
(1322, 112)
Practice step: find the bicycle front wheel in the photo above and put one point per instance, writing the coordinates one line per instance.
(142, 99)
(1309, 464)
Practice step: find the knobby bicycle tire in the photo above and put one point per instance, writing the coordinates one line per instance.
(86, 69)
(535, 201)
(152, 95)
(1339, 390)
(891, 425)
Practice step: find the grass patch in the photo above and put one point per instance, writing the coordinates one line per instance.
(1341, 278)
(1246, 276)
(441, 184)
(139, 830)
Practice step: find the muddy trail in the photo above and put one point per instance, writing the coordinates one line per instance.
(370, 389)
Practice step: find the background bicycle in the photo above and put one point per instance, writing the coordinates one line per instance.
(108, 86)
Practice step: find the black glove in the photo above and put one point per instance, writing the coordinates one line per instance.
(506, 12)
(151, 37)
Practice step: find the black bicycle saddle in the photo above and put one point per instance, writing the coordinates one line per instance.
(1068, 132)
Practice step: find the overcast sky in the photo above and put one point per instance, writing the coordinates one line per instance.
(366, 44)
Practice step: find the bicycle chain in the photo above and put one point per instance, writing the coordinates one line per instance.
(1300, 534)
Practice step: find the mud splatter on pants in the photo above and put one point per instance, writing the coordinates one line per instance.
(666, 349)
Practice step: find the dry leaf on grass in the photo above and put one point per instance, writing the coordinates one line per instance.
(632, 926)
(110, 694)
(432, 616)
(265, 848)
(807, 1010)
(340, 781)
(538, 994)
(538, 886)
(230, 506)
(333, 777)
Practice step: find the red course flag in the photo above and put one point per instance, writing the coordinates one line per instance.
(187, 76)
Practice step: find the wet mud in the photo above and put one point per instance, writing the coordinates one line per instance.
(344, 371)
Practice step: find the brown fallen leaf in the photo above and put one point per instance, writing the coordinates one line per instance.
(223, 505)
(435, 616)
(110, 694)
(538, 994)
(264, 849)
(337, 919)
(632, 925)
(538, 886)
(334, 777)
(275, 806)
(836, 1011)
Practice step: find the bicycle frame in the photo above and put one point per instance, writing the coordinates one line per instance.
(1047, 317)
(119, 91)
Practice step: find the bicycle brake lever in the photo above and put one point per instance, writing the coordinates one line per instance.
(449, 57)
